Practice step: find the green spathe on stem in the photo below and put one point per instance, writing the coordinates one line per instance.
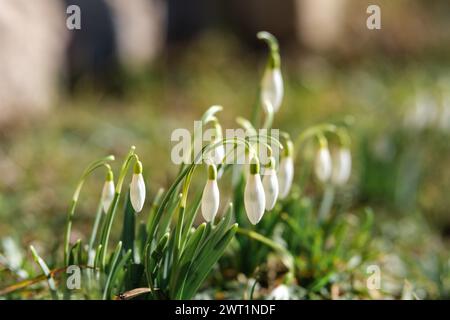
(272, 42)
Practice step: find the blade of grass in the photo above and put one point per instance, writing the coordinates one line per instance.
(41, 263)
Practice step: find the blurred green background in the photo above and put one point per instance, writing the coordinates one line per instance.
(392, 85)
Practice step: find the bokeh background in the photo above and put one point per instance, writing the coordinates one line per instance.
(139, 69)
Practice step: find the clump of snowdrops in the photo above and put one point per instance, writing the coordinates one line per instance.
(168, 255)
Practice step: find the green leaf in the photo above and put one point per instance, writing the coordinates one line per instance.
(212, 236)
(140, 242)
(155, 204)
(76, 254)
(190, 217)
(205, 262)
(186, 259)
(153, 258)
(116, 264)
(129, 225)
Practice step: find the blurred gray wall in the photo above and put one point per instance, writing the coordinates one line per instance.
(32, 52)
(37, 48)
(39, 55)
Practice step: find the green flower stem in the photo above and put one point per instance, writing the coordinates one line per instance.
(311, 132)
(323, 143)
(257, 138)
(98, 217)
(209, 114)
(344, 137)
(246, 124)
(186, 174)
(93, 166)
(269, 114)
(341, 133)
(256, 107)
(274, 57)
(124, 169)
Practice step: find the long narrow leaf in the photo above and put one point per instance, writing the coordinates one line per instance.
(45, 269)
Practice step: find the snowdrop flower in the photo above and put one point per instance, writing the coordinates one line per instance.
(342, 166)
(270, 184)
(272, 82)
(322, 166)
(137, 188)
(286, 171)
(211, 195)
(272, 89)
(280, 292)
(108, 191)
(254, 197)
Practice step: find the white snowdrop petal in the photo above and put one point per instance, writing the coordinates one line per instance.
(137, 192)
(210, 200)
(285, 176)
(270, 184)
(107, 195)
(281, 292)
(272, 88)
(254, 198)
(342, 167)
(322, 166)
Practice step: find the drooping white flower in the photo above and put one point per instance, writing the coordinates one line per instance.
(270, 185)
(272, 88)
(108, 192)
(254, 197)
(280, 292)
(322, 165)
(285, 176)
(211, 195)
(286, 171)
(137, 188)
(342, 166)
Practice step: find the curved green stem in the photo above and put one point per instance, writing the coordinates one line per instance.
(310, 132)
(90, 168)
(272, 42)
(268, 115)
